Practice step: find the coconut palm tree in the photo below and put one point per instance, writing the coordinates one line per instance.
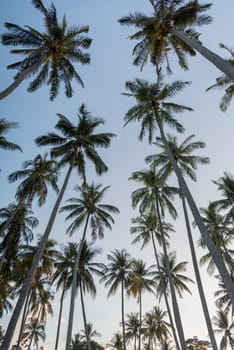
(221, 233)
(179, 280)
(116, 342)
(171, 28)
(226, 187)
(78, 143)
(87, 268)
(153, 111)
(141, 279)
(156, 328)
(18, 231)
(77, 343)
(92, 333)
(157, 196)
(49, 56)
(5, 127)
(33, 333)
(221, 321)
(222, 299)
(63, 277)
(132, 328)
(115, 275)
(187, 162)
(37, 175)
(87, 210)
(148, 229)
(224, 82)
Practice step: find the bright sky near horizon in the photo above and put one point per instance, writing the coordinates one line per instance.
(111, 65)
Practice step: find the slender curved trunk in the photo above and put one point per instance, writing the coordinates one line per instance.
(140, 316)
(229, 284)
(198, 277)
(84, 317)
(74, 286)
(23, 75)
(222, 64)
(172, 289)
(165, 296)
(59, 318)
(27, 283)
(33, 332)
(123, 321)
(24, 316)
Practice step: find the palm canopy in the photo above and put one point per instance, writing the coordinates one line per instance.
(182, 154)
(36, 175)
(6, 126)
(116, 272)
(48, 55)
(226, 83)
(78, 141)
(152, 103)
(156, 33)
(154, 187)
(155, 326)
(89, 205)
(147, 225)
(176, 269)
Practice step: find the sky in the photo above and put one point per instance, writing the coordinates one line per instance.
(104, 79)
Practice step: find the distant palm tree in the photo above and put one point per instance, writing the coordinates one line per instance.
(77, 343)
(63, 277)
(33, 332)
(37, 175)
(18, 231)
(148, 229)
(156, 328)
(77, 143)
(132, 325)
(222, 299)
(220, 231)
(179, 280)
(6, 126)
(115, 275)
(85, 277)
(116, 342)
(221, 321)
(224, 82)
(87, 210)
(171, 29)
(92, 333)
(141, 279)
(48, 55)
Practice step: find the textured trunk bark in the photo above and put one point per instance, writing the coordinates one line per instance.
(197, 217)
(222, 64)
(74, 285)
(198, 278)
(27, 283)
(165, 296)
(23, 75)
(171, 285)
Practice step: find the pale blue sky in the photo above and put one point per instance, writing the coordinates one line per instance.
(104, 79)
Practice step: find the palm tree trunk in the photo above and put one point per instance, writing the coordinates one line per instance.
(165, 296)
(123, 322)
(59, 318)
(140, 316)
(222, 64)
(27, 283)
(229, 284)
(22, 76)
(74, 285)
(198, 278)
(24, 316)
(84, 317)
(172, 289)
